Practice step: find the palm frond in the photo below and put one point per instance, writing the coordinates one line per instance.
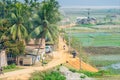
(13, 31)
(24, 31)
(36, 32)
(13, 16)
(19, 34)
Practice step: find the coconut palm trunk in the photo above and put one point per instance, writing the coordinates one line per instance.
(41, 45)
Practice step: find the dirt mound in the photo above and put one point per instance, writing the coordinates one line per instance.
(76, 63)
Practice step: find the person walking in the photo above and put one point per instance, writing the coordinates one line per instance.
(64, 47)
(74, 54)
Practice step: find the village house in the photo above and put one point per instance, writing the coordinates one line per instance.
(86, 20)
(32, 55)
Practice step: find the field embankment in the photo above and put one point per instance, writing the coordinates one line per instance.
(102, 50)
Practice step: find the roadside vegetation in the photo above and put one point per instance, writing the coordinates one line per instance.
(11, 67)
(47, 75)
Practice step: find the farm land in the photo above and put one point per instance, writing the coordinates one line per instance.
(100, 41)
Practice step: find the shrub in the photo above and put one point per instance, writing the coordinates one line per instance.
(37, 76)
(54, 75)
(82, 76)
(89, 74)
(72, 70)
(95, 74)
(12, 66)
(47, 75)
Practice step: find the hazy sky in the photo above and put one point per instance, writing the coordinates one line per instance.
(89, 2)
(66, 3)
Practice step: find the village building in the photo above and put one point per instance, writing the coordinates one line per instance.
(86, 20)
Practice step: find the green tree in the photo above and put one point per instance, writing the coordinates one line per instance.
(18, 30)
(13, 30)
(46, 19)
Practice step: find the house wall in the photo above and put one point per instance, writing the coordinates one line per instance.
(35, 43)
(3, 59)
(28, 59)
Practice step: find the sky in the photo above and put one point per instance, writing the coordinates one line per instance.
(79, 3)
(65, 3)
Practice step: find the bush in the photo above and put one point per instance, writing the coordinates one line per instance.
(54, 75)
(89, 74)
(72, 70)
(82, 76)
(47, 75)
(37, 76)
(12, 66)
(95, 74)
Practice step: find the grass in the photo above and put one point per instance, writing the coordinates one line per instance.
(88, 73)
(79, 29)
(47, 75)
(116, 77)
(9, 70)
(101, 75)
(11, 67)
(85, 25)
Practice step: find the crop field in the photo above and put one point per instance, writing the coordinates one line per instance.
(104, 60)
(96, 35)
(102, 45)
(98, 38)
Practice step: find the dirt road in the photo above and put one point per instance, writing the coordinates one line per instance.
(60, 56)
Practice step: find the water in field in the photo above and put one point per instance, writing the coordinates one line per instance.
(114, 66)
(109, 62)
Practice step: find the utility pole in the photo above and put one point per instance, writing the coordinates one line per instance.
(0, 58)
(80, 57)
(88, 13)
(69, 34)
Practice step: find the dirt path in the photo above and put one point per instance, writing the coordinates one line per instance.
(68, 26)
(60, 56)
(74, 62)
(24, 74)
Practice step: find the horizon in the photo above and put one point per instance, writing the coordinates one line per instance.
(93, 7)
(65, 3)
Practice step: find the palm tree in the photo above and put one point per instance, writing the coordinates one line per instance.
(18, 30)
(48, 16)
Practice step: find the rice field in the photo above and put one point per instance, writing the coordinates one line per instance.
(98, 38)
(102, 42)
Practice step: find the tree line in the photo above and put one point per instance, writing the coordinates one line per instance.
(31, 19)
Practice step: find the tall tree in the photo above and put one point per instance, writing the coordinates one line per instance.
(47, 17)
